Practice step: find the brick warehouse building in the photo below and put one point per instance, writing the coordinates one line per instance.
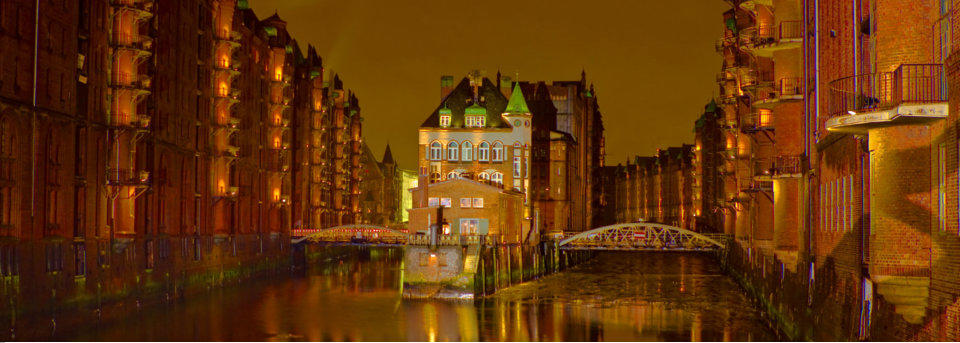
(148, 149)
(860, 238)
(831, 155)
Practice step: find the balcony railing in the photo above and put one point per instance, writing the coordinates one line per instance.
(787, 164)
(910, 83)
(127, 177)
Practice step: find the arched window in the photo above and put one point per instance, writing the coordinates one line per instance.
(497, 152)
(452, 149)
(497, 178)
(467, 151)
(434, 177)
(484, 176)
(435, 151)
(483, 153)
(453, 175)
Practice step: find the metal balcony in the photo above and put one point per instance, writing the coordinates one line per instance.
(142, 8)
(140, 44)
(786, 35)
(138, 122)
(787, 166)
(912, 94)
(127, 177)
(785, 89)
(231, 151)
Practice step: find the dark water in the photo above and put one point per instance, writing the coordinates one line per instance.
(615, 296)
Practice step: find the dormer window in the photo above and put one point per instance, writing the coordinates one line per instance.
(475, 121)
(444, 120)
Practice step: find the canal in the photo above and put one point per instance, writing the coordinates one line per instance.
(615, 296)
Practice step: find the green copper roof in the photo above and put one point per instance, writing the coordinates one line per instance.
(475, 109)
(271, 31)
(517, 103)
(445, 110)
(242, 4)
(314, 74)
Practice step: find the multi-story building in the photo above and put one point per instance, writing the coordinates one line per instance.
(709, 163)
(505, 134)
(656, 189)
(380, 189)
(143, 146)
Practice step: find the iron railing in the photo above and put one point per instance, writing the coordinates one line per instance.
(787, 164)
(789, 86)
(909, 83)
(127, 177)
(772, 34)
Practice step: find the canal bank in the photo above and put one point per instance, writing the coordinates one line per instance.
(614, 296)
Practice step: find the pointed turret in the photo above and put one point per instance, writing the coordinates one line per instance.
(517, 104)
(387, 156)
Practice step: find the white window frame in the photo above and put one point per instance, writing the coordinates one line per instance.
(466, 202)
(453, 175)
(497, 152)
(517, 167)
(436, 151)
(452, 150)
(467, 151)
(445, 120)
(445, 202)
(433, 202)
(497, 178)
(483, 152)
(477, 202)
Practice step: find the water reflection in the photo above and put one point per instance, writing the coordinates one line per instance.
(616, 296)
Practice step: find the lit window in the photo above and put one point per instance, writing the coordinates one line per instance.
(453, 175)
(444, 120)
(484, 176)
(452, 149)
(445, 202)
(497, 178)
(477, 202)
(469, 226)
(467, 151)
(483, 153)
(516, 166)
(466, 202)
(435, 151)
(497, 152)
(433, 202)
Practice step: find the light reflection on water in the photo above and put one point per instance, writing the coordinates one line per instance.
(615, 296)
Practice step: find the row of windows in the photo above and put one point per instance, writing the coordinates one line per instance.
(495, 177)
(464, 202)
(455, 151)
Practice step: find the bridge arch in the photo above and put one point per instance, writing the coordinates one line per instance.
(640, 236)
(352, 232)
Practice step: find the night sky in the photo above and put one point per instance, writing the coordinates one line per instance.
(652, 62)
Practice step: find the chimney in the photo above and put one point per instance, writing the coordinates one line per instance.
(446, 86)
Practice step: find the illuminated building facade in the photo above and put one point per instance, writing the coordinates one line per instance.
(657, 189)
(145, 144)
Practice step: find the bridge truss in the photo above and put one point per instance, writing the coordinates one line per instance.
(354, 233)
(640, 236)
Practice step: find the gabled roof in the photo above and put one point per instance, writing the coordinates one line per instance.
(461, 97)
(517, 103)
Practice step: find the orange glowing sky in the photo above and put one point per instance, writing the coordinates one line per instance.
(652, 62)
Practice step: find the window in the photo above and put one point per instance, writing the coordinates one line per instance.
(445, 202)
(435, 151)
(467, 151)
(942, 187)
(434, 177)
(54, 257)
(497, 178)
(516, 166)
(444, 120)
(466, 202)
(453, 175)
(484, 176)
(80, 259)
(8, 260)
(469, 226)
(433, 202)
(452, 149)
(477, 202)
(483, 153)
(497, 152)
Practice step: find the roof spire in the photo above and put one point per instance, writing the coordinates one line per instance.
(517, 103)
